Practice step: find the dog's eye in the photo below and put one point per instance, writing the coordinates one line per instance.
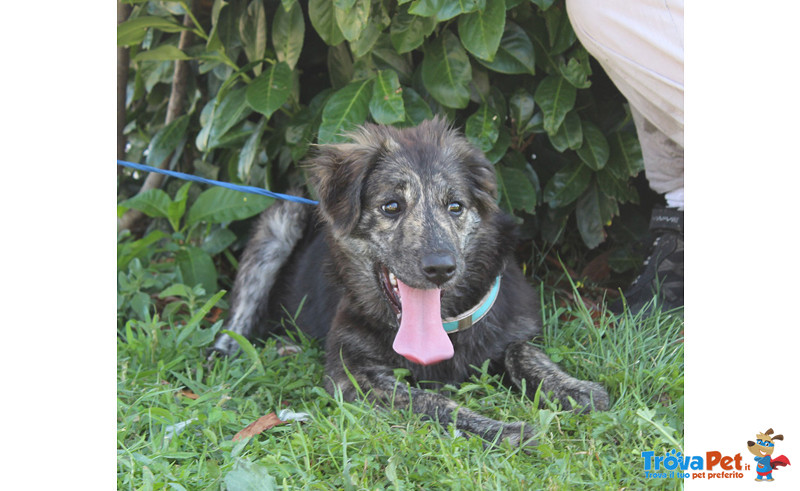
(391, 208)
(455, 208)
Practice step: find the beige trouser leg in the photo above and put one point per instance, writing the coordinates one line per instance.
(639, 43)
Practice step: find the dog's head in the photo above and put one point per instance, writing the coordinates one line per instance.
(764, 444)
(408, 204)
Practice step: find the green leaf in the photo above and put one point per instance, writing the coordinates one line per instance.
(178, 206)
(345, 110)
(497, 101)
(409, 31)
(321, 13)
(567, 185)
(248, 348)
(559, 29)
(619, 189)
(267, 92)
(219, 205)
(344, 4)
(366, 41)
(140, 303)
(194, 322)
(500, 147)
(518, 191)
(165, 52)
(249, 152)
(625, 157)
(196, 266)
(577, 73)
(352, 20)
(167, 141)
(176, 290)
(201, 313)
(417, 110)
(340, 65)
(569, 134)
(443, 10)
(253, 32)
(288, 31)
(128, 251)
(384, 56)
(386, 105)
(521, 106)
(515, 55)
(218, 240)
(594, 151)
(227, 26)
(218, 118)
(132, 31)
(535, 124)
(593, 211)
(446, 71)
(153, 203)
(543, 4)
(214, 42)
(483, 128)
(556, 97)
(250, 477)
(481, 31)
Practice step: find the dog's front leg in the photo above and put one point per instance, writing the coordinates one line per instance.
(526, 362)
(381, 387)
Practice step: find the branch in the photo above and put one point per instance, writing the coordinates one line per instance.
(123, 60)
(177, 96)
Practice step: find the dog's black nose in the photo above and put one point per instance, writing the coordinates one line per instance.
(438, 267)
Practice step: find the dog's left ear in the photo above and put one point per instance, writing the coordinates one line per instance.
(337, 172)
(482, 177)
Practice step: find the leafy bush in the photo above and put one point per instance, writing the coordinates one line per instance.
(269, 78)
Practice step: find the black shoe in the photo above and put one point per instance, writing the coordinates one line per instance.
(661, 281)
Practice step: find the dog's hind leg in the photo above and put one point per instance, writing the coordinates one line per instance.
(526, 362)
(277, 232)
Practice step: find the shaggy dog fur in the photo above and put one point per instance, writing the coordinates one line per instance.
(408, 232)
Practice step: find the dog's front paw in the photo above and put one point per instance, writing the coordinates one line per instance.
(519, 434)
(223, 346)
(588, 396)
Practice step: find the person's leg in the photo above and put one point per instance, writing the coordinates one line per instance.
(639, 43)
(663, 160)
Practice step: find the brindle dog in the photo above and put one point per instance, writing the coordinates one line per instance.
(408, 233)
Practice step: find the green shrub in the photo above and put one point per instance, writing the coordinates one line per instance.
(270, 78)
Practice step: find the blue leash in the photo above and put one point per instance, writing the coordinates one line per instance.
(235, 187)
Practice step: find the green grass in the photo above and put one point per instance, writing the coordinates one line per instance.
(168, 441)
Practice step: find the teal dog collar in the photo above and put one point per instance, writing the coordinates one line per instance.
(473, 315)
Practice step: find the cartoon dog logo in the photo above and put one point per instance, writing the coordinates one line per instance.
(762, 448)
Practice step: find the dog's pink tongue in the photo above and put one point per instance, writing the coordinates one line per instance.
(422, 338)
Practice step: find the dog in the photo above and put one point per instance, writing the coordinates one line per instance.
(407, 263)
(763, 448)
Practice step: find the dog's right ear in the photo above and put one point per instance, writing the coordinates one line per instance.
(337, 172)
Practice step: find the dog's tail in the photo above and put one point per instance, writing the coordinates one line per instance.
(276, 233)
